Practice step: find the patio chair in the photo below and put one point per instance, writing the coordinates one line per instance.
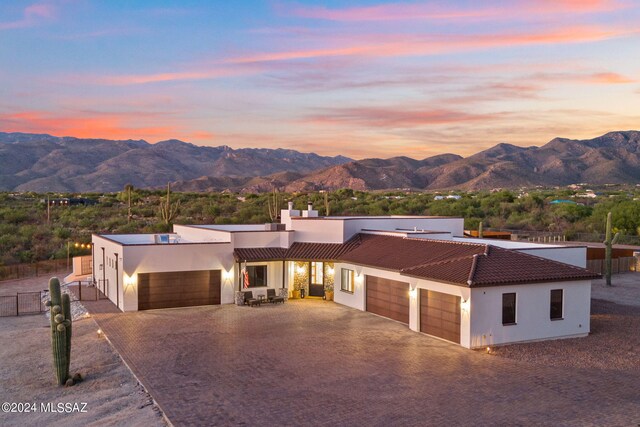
(273, 298)
(250, 300)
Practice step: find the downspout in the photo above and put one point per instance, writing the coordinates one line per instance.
(117, 283)
(283, 272)
(105, 291)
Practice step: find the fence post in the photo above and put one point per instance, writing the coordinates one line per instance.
(17, 305)
(79, 290)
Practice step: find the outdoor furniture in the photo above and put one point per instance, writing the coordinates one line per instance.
(250, 300)
(273, 298)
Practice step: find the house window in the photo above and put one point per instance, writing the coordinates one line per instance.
(257, 275)
(347, 280)
(509, 309)
(317, 271)
(556, 304)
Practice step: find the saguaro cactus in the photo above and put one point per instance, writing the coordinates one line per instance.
(273, 205)
(169, 211)
(480, 232)
(60, 331)
(608, 243)
(327, 205)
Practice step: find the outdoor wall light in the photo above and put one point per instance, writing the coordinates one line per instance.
(300, 269)
(413, 292)
(465, 305)
(227, 275)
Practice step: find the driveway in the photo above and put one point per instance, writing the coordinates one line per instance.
(313, 362)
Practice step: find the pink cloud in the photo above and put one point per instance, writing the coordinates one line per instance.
(412, 45)
(31, 16)
(93, 124)
(412, 12)
(395, 117)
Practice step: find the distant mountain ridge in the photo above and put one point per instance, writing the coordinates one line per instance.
(48, 163)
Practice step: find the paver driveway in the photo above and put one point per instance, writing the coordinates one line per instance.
(318, 363)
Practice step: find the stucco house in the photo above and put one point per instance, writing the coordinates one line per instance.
(418, 270)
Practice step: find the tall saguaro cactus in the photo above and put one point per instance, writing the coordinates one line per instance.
(60, 331)
(169, 211)
(273, 204)
(327, 205)
(608, 243)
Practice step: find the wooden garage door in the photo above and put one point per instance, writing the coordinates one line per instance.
(440, 315)
(178, 289)
(388, 298)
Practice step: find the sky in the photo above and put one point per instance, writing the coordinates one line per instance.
(356, 78)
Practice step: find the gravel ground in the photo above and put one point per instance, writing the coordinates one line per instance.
(614, 342)
(111, 392)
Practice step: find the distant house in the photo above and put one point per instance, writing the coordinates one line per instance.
(417, 270)
(70, 201)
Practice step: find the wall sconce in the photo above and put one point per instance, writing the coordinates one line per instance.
(129, 281)
(413, 292)
(330, 271)
(300, 269)
(227, 275)
(465, 305)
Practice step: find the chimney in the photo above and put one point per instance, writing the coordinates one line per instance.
(309, 213)
(287, 214)
(309, 206)
(290, 206)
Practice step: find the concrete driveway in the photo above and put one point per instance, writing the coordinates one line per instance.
(313, 362)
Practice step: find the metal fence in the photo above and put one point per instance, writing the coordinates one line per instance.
(86, 291)
(21, 303)
(20, 271)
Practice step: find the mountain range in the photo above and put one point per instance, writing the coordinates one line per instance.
(48, 163)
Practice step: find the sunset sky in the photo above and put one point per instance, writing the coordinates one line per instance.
(362, 79)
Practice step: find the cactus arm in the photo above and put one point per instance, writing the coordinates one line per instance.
(66, 310)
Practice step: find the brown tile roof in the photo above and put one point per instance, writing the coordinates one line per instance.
(259, 254)
(299, 251)
(499, 266)
(460, 263)
(322, 251)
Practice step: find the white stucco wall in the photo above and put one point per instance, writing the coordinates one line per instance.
(569, 255)
(318, 230)
(180, 257)
(260, 239)
(532, 313)
(197, 234)
(111, 272)
(454, 226)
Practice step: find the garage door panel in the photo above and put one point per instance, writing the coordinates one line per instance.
(178, 289)
(440, 315)
(388, 298)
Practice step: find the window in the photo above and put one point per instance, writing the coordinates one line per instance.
(317, 273)
(509, 309)
(556, 304)
(257, 275)
(347, 280)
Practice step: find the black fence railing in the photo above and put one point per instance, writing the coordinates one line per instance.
(87, 290)
(21, 271)
(21, 303)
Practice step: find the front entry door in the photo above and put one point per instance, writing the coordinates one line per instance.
(316, 279)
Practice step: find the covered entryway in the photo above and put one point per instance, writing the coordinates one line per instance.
(178, 289)
(440, 315)
(388, 298)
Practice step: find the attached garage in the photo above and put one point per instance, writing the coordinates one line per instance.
(388, 298)
(178, 289)
(440, 315)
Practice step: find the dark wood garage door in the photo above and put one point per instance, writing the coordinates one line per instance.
(388, 298)
(178, 289)
(440, 315)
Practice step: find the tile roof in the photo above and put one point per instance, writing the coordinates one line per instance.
(460, 263)
(259, 254)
